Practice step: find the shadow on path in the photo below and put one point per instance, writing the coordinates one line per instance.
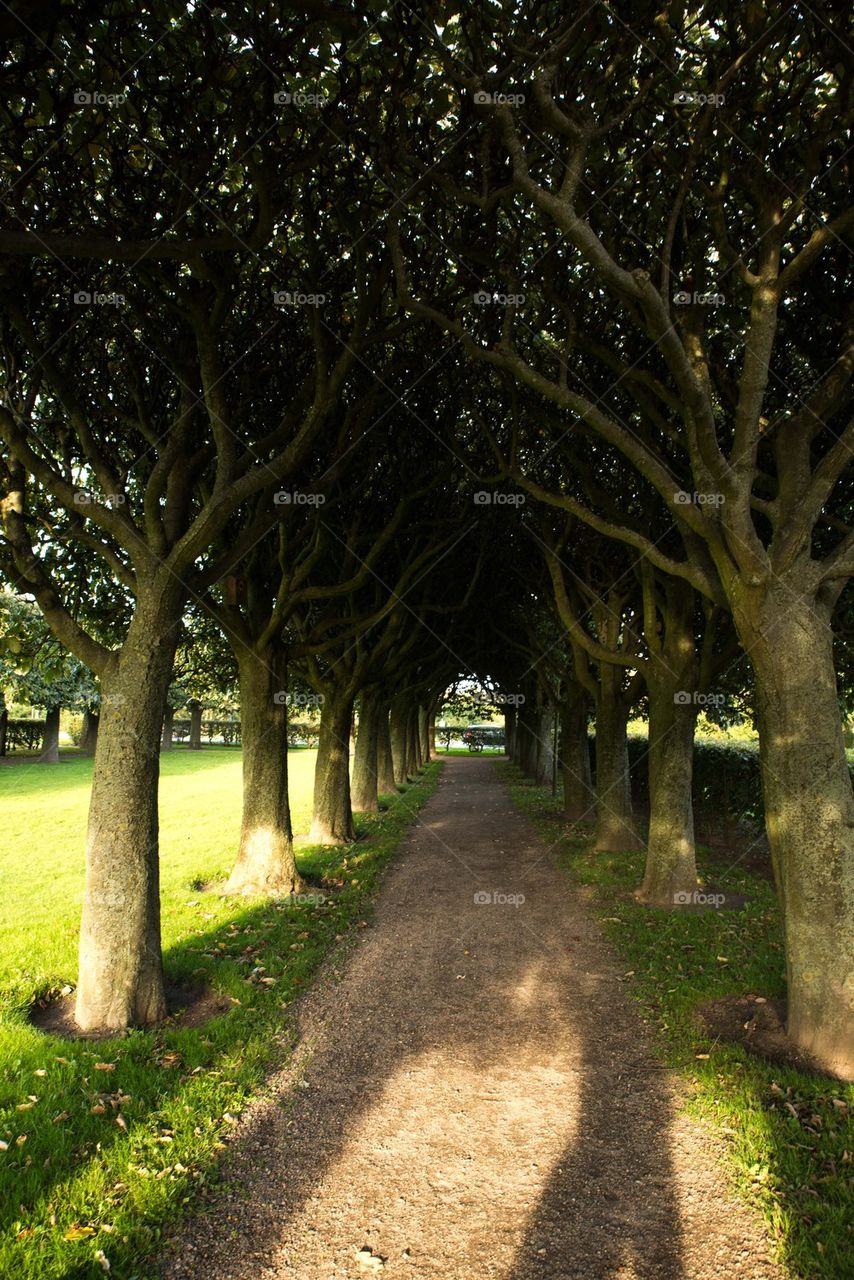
(472, 1096)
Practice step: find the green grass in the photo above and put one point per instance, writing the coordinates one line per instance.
(96, 1161)
(788, 1133)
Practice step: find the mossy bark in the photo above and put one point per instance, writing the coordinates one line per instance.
(579, 797)
(365, 795)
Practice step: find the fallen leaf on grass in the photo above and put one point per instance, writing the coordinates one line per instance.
(105, 1066)
(76, 1232)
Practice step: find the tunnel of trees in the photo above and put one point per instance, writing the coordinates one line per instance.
(356, 351)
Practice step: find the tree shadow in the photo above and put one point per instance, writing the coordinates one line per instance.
(472, 1046)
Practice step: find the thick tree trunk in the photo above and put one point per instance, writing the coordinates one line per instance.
(414, 740)
(365, 795)
(399, 739)
(423, 735)
(527, 735)
(265, 857)
(195, 725)
(510, 733)
(89, 735)
(385, 762)
(121, 976)
(670, 877)
(809, 811)
(49, 753)
(545, 745)
(615, 830)
(579, 798)
(431, 735)
(166, 735)
(332, 821)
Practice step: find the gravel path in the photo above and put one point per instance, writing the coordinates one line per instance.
(473, 1096)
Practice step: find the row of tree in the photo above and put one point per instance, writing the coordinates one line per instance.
(402, 345)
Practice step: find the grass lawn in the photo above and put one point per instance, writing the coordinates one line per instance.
(103, 1142)
(788, 1133)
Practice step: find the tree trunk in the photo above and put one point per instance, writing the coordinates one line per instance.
(332, 822)
(121, 976)
(265, 857)
(431, 735)
(510, 733)
(579, 798)
(809, 810)
(365, 761)
(4, 729)
(49, 753)
(615, 830)
(385, 764)
(413, 738)
(527, 734)
(670, 877)
(423, 734)
(398, 731)
(89, 735)
(166, 736)
(545, 745)
(195, 725)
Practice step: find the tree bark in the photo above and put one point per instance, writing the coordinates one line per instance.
(49, 753)
(89, 735)
(4, 729)
(527, 736)
(413, 741)
(121, 975)
(365, 795)
(809, 809)
(423, 734)
(579, 798)
(166, 736)
(265, 857)
(431, 735)
(386, 784)
(544, 722)
(615, 830)
(399, 739)
(510, 733)
(332, 821)
(670, 877)
(195, 725)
